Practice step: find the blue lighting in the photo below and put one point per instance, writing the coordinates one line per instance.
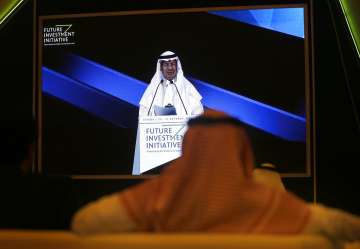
(270, 119)
(113, 110)
(102, 78)
(285, 20)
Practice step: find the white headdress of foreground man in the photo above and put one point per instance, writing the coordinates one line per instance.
(169, 89)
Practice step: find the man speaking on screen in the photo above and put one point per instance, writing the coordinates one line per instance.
(169, 92)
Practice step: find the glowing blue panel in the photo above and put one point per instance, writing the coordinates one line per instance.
(272, 120)
(285, 20)
(102, 78)
(113, 110)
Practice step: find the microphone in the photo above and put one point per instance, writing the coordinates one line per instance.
(177, 90)
(161, 81)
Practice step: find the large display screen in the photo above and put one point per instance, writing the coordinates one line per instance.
(95, 69)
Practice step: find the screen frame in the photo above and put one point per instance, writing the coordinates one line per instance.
(309, 81)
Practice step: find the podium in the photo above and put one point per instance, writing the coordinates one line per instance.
(158, 141)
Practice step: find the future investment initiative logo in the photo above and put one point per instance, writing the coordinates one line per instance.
(60, 34)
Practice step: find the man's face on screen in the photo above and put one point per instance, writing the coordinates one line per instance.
(169, 69)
